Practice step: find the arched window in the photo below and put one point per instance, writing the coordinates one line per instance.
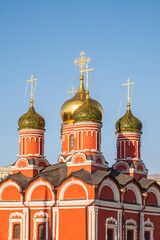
(16, 231)
(71, 143)
(41, 231)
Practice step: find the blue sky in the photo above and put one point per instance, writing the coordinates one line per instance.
(43, 38)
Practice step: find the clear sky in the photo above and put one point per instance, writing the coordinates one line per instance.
(44, 37)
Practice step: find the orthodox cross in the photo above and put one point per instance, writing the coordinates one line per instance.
(87, 70)
(82, 60)
(31, 81)
(73, 91)
(128, 84)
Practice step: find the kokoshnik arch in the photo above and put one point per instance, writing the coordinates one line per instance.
(80, 197)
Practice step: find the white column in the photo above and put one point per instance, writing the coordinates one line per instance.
(77, 140)
(119, 217)
(82, 139)
(25, 145)
(96, 140)
(142, 226)
(124, 149)
(57, 227)
(90, 224)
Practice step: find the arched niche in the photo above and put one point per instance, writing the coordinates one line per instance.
(73, 189)
(10, 191)
(153, 198)
(106, 194)
(113, 190)
(22, 162)
(121, 166)
(39, 190)
(79, 158)
(132, 195)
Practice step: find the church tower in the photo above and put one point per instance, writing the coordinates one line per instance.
(129, 131)
(31, 141)
(81, 128)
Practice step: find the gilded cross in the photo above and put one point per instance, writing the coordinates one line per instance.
(82, 60)
(128, 84)
(31, 81)
(73, 91)
(87, 70)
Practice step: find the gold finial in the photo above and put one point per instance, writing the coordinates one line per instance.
(128, 84)
(82, 61)
(32, 80)
(73, 91)
(87, 70)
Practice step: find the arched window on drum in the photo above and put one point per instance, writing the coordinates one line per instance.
(16, 232)
(71, 143)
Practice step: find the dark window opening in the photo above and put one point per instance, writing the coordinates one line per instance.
(72, 143)
(16, 231)
(146, 236)
(41, 231)
(130, 235)
(109, 234)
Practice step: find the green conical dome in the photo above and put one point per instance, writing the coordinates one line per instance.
(87, 113)
(31, 120)
(128, 123)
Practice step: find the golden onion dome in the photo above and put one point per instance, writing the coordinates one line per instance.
(68, 108)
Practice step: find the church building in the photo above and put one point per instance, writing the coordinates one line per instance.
(80, 197)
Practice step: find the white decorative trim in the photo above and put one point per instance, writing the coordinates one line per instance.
(148, 223)
(40, 217)
(37, 184)
(40, 203)
(9, 184)
(113, 186)
(131, 222)
(131, 225)
(111, 223)
(15, 217)
(68, 184)
(149, 227)
(136, 191)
